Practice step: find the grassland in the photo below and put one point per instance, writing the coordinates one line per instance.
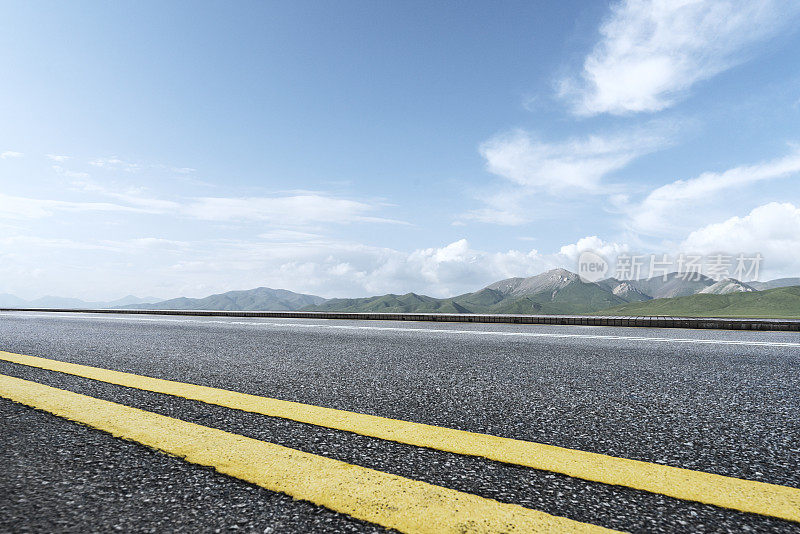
(779, 303)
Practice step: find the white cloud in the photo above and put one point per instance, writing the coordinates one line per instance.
(331, 268)
(19, 242)
(177, 170)
(458, 268)
(155, 265)
(133, 197)
(114, 162)
(772, 230)
(679, 203)
(287, 211)
(153, 243)
(535, 168)
(10, 154)
(290, 210)
(565, 167)
(57, 158)
(608, 250)
(345, 269)
(147, 204)
(507, 207)
(288, 235)
(15, 207)
(70, 174)
(652, 51)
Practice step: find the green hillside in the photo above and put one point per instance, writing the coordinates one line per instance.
(779, 303)
(576, 297)
(408, 303)
(260, 298)
(480, 300)
(557, 291)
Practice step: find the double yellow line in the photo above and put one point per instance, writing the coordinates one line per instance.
(389, 500)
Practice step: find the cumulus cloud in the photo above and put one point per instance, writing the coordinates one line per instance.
(771, 229)
(652, 51)
(335, 268)
(458, 268)
(665, 207)
(154, 265)
(607, 249)
(332, 268)
(10, 154)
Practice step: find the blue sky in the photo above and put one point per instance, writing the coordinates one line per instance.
(357, 148)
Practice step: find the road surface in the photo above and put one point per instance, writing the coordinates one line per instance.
(718, 402)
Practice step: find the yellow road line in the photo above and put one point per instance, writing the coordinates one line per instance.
(388, 500)
(728, 492)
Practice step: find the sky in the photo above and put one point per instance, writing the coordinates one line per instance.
(358, 148)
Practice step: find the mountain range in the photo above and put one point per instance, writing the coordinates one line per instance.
(780, 282)
(558, 291)
(260, 298)
(11, 301)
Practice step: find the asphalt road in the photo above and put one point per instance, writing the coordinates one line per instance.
(718, 401)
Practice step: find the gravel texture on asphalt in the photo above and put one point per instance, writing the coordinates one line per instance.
(723, 409)
(59, 476)
(614, 507)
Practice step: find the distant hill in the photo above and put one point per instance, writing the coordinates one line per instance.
(408, 303)
(10, 301)
(557, 291)
(261, 298)
(629, 292)
(658, 287)
(782, 302)
(550, 281)
(727, 285)
(553, 292)
(772, 284)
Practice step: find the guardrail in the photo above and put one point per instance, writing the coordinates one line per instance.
(718, 323)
